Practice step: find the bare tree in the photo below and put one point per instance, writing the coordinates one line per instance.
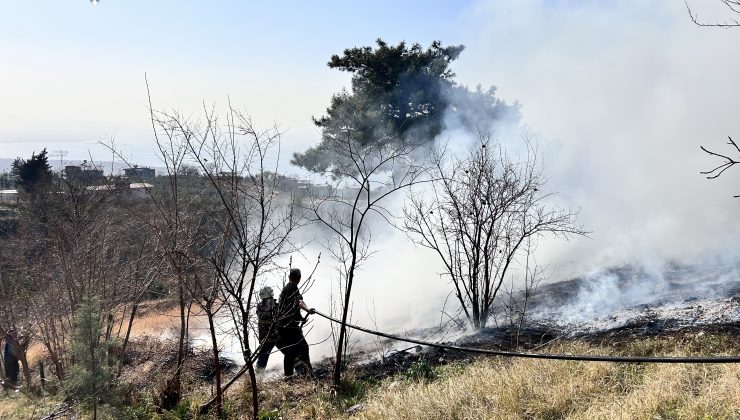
(479, 218)
(173, 216)
(250, 218)
(143, 270)
(733, 6)
(363, 178)
(727, 161)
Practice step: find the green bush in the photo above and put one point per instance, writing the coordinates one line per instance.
(182, 411)
(420, 370)
(270, 415)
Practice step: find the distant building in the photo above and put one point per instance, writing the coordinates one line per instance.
(84, 173)
(138, 190)
(8, 196)
(101, 188)
(135, 190)
(139, 172)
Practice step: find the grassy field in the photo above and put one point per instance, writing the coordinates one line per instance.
(503, 389)
(495, 388)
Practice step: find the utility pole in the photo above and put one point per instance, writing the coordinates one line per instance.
(61, 154)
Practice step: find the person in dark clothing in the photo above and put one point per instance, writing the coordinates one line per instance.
(290, 337)
(266, 328)
(9, 357)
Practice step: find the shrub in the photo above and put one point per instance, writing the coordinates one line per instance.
(420, 370)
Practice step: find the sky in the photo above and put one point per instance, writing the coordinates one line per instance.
(73, 73)
(618, 94)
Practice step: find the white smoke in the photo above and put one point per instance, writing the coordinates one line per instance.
(621, 94)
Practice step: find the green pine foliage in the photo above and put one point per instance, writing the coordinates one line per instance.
(31, 173)
(401, 94)
(91, 378)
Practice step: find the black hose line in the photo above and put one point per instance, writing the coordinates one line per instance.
(577, 357)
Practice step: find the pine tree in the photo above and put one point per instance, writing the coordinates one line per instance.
(33, 172)
(91, 377)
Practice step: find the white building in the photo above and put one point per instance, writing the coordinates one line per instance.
(138, 190)
(8, 196)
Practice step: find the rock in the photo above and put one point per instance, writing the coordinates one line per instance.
(356, 408)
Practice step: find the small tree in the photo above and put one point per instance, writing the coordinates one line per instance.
(32, 172)
(481, 218)
(91, 377)
(364, 177)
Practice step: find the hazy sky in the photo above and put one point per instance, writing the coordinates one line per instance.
(72, 73)
(620, 93)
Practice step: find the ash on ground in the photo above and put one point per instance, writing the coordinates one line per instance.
(677, 298)
(613, 305)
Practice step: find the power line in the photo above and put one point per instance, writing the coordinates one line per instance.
(550, 356)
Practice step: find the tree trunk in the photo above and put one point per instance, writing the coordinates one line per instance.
(217, 365)
(476, 313)
(94, 385)
(125, 339)
(58, 367)
(42, 375)
(183, 330)
(255, 394)
(20, 353)
(174, 384)
(337, 376)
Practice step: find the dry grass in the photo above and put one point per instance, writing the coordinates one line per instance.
(496, 388)
(18, 406)
(505, 389)
(158, 318)
(154, 319)
(298, 399)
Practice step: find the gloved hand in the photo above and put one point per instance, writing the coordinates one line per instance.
(312, 311)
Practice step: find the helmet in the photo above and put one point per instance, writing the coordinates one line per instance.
(266, 292)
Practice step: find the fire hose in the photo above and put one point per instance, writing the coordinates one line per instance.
(550, 356)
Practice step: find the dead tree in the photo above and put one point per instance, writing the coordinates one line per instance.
(733, 6)
(250, 219)
(363, 178)
(727, 161)
(143, 270)
(204, 289)
(172, 214)
(478, 217)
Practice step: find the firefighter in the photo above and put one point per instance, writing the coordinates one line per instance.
(10, 358)
(266, 329)
(290, 336)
